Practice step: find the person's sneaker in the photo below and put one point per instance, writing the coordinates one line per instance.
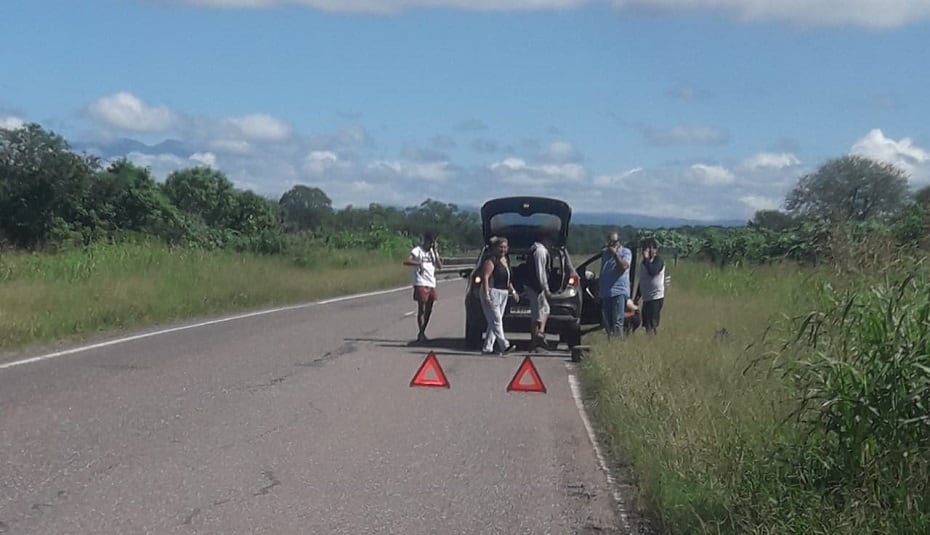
(510, 348)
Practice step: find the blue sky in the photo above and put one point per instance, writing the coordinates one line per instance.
(702, 109)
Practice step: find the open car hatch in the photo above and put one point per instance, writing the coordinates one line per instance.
(523, 219)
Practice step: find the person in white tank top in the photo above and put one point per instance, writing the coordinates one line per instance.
(425, 260)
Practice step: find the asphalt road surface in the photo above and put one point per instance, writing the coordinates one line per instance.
(300, 421)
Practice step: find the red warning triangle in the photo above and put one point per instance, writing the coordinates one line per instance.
(423, 377)
(526, 371)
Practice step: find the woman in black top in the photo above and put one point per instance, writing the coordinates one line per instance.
(495, 288)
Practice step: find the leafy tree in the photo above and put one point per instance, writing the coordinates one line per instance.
(306, 208)
(430, 214)
(458, 229)
(922, 197)
(772, 220)
(203, 193)
(849, 188)
(127, 198)
(44, 188)
(254, 214)
(386, 216)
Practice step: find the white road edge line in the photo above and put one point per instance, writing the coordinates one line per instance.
(123, 340)
(611, 482)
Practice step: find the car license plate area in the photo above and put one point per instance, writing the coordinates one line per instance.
(520, 311)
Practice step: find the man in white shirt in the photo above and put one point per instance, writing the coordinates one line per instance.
(425, 260)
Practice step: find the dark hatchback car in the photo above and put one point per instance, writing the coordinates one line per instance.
(522, 220)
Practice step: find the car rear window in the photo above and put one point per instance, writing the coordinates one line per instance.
(523, 230)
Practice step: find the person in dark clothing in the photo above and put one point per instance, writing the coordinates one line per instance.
(651, 288)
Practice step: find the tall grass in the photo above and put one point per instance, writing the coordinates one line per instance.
(78, 293)
(775, 400)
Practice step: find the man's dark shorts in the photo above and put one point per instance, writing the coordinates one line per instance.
(424, 294)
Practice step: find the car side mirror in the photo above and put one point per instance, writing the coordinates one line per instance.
(588, 275)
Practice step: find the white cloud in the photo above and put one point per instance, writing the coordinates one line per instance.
(351, 137)
(125, 111)
(515, 171)
(319, 162)
(162, 165)
(624, 180)
(682, 135)
(560, 152)
(11, 123)
(261, 127)
(712, 175)
(232, 146)
(901, 153)
(758, 202)
(683, 192)
(867, 13)
(509, 164)
(207, 159)
(428, 171)
(769, 160)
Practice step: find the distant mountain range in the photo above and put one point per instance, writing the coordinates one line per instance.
(636, 221)
(124, 146)
(644, 221)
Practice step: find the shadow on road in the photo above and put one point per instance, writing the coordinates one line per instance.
(456, 346)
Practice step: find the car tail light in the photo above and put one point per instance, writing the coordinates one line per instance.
(573, 280)
(477, 279)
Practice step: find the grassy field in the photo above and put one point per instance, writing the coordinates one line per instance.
(77, 294)
(820, 426)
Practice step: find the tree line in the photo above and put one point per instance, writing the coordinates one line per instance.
(52, 197)
(849, 206)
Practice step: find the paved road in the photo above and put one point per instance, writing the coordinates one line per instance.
(299, 421)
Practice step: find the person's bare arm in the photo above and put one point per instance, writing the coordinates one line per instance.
(486, 269)
(622, 264)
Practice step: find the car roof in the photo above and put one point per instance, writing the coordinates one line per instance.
(523, 220)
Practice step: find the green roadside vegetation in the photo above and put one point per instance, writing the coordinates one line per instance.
(778, 398)
(75, 294)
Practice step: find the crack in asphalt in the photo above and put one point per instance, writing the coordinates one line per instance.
(314, 407)
(579, 491)
(41, 507)
(189, 519)
(344, 349)
(275, 381)
(296, 418)
(121, 367)
(273, 482)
